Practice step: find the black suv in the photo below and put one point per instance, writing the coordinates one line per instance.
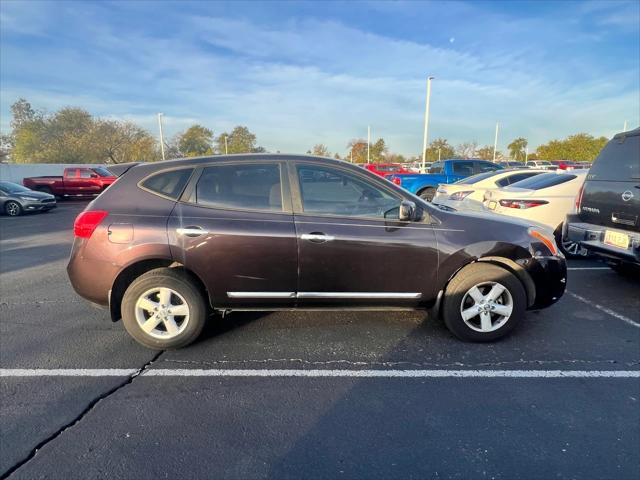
(608, 219)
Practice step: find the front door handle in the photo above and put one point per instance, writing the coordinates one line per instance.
(191, 231)
(317, 237)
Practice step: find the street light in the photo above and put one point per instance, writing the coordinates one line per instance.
(161, 135)
(495, 142)
(426, 124)
(368, 142)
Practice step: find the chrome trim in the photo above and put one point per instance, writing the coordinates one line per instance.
(191, 231)
(317, 237)
(261, 294)
(359, 295)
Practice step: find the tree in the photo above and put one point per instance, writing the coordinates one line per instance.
(378, 150)
(22, 113)
(580, 147)
(240, 140)
(357, 150)
(121, 142)
(320, 150)
(517, 148)
(486, 153)
(195, 141)
(466, 149)
(439, 149)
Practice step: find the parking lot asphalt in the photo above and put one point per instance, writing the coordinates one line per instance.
(245, 416)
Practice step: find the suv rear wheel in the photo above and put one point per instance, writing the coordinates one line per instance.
(483, 302)
(427, 194)
(163, 309)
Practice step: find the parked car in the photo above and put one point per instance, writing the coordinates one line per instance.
(448, 171)
(468, 193)
(568, 165)
(512, 164)
(172, 241)
(416, 167)
(541, 165)
(608, 219)
(383, 169)
(16, 200)
(545, 198)
(74, 182)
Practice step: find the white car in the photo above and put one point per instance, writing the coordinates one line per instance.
(541, 165)
(468, 193)
(545, 199)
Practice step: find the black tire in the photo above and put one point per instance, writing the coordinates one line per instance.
(427, 194)
(456, 294)
(13, 208)
(181, 283)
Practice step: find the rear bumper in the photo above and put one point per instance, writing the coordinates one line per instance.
(591, 237)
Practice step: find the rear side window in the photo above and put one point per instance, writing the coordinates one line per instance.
(170, 184)
(479, 167)
(476, 178)
(618, 161)
(248, 187)
(463, 168)
(544, 180)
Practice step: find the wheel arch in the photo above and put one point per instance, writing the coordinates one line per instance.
(128, 274)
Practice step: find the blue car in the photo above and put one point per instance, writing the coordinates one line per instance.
(447, 171)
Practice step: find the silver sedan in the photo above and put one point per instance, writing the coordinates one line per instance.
(16, 200)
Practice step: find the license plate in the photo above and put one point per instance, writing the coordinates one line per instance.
(616, 239)
(492, 205)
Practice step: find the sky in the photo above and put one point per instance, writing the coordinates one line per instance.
(302, 73)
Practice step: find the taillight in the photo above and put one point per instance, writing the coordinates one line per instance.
(522, 204)
(579, 198)
(460, 195)
(87, 222)
(397, 181)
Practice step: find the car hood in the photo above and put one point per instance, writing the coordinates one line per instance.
(32, 194)
(489, 216)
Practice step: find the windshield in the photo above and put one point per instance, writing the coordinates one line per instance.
(12, 187)
(477, 178)
(103, 172)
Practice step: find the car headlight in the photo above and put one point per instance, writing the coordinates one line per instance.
(546, 239)
(26, 198)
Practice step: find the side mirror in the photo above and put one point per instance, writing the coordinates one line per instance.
(407, 211)
(94, 175)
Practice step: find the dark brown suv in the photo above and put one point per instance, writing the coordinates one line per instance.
(171, 242)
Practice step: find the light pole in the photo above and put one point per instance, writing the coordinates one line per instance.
(495, 142)
(426, 124)
(161, 135)
(624, 129)
(368, 143)
(226, 149)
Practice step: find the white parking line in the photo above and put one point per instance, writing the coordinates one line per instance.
(605, 309)
(588, 268)
(320, 373)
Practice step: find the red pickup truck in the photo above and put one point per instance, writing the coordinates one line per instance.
(75, 181)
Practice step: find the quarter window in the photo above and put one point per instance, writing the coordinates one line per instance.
(170, 184)
(249, 187)
(327, 191)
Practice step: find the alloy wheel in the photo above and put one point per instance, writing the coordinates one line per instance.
(162, 313)
(486, 307)
(12, 208)
(573, 248)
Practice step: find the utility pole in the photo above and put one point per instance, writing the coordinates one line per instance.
(368, 143)
(438, 154)
(624, 129)
(426, 125)
(226, 149)
(526, 154)
(351, 154)
(161, 135)
(495, 142)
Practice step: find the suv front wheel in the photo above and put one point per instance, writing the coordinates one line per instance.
(163, 309)
(483, 302)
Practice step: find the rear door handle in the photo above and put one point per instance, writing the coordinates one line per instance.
(191, 231)
(317, 237)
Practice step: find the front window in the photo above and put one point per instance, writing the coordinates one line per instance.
(327, 191)
(103, 172)
(436, 168)
(463, 168)
(86, 173)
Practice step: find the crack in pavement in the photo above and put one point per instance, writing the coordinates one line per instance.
(79, 417)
